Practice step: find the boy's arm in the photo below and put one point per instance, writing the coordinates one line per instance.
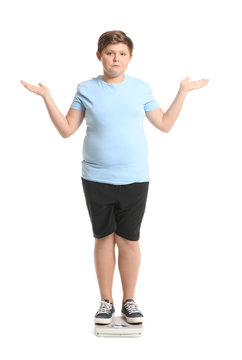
(58, 119)
(165, 121)
(172, 113)
(74, 118)
(65, 125)
(155, 117)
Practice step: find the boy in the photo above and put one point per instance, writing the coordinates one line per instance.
(115, 171)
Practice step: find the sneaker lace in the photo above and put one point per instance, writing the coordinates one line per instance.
(105, 307)
(132, 307)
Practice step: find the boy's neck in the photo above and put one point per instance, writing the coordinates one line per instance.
(114, 79)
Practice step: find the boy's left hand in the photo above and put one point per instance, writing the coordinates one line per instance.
(191, 85)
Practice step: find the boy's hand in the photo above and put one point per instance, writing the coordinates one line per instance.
(191, 85)
(39, 90)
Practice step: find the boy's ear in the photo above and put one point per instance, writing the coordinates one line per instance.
(98, 55)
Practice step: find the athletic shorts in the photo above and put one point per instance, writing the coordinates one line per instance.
(116, 208)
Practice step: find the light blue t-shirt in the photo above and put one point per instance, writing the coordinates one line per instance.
(115, 148)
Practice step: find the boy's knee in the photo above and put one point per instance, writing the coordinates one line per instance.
(105, 240)
(124, 242)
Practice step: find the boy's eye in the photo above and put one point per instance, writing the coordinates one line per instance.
(109, 52)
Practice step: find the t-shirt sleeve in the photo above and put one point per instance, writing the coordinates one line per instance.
(150, 102)
(77, 101)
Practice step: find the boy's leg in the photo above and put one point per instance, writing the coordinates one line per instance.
(104, 258)
(129, 263)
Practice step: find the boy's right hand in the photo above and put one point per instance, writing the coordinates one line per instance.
(39, 90)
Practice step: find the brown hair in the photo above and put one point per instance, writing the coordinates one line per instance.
(114, 37)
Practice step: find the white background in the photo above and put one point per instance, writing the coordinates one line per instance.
(189, 285)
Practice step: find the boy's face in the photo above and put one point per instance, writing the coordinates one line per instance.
(115, 58)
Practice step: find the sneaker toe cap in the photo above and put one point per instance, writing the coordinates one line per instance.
(136, 315)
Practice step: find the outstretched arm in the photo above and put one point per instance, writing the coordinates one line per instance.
(165, 120)
(66, 125)
(172, 113)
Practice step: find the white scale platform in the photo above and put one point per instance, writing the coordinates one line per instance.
(119, 328)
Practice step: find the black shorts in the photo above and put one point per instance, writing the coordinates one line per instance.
(116, 208)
